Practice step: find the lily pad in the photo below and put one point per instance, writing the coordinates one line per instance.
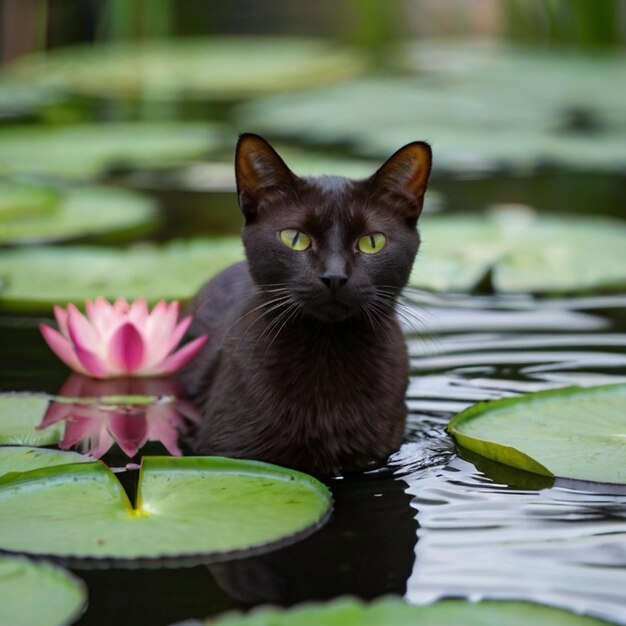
(18, 459)
(349, 612)
(38, 594)
(472, 104)
(220, 68)
(174, 271)
(577, 433)
(20, 414)
(90, 150)
(193, 506)
(32, 213)
(522, 252)
(19, 101)
(23, 200)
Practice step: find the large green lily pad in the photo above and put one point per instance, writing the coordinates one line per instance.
(37, 278)
(19, 459)
(395, 612)
(19, 101)
(89, 150)
(217, 68)
(20, 414)
(38, 594)
(480, 108)
(203, 506)
(577, 433)
(521, 252)
(32, 213)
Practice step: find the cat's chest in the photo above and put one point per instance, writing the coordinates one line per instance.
(343, 370)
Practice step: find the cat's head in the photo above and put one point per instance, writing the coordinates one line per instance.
(336, 247)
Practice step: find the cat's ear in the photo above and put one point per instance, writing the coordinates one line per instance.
(405, 174)
(258, 170)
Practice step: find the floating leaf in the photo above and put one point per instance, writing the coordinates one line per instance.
(24, 459)
(472, 104)
(33, 213)
(525, 253)
(20, 201)
(38, 594)
(174, 271)
(208, 506)
(20, 414)
(577, 433)
(392, 611)
(89, 150)
(219, 68)
(18, 101)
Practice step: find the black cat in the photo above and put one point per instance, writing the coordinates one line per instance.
(306, 364)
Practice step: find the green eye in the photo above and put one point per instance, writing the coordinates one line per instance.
(371, 244)
(295, 239)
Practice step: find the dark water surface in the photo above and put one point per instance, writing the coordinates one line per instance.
(430, 523)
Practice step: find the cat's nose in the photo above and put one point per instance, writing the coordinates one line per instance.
(334, 280)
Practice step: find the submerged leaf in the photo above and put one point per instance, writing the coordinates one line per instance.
(577, 433)
(193, 506)
(38, 594)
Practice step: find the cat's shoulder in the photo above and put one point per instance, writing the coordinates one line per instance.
(225, 291)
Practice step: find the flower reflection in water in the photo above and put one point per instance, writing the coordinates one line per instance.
(126, 411)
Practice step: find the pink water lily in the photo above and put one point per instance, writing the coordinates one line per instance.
(121, 339)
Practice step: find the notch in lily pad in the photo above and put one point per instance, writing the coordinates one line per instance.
(203, 508)
(576, 433)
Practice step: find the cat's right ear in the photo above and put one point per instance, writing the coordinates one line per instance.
(405, 175)
(259, 170)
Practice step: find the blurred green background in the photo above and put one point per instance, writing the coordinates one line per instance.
(523, 101)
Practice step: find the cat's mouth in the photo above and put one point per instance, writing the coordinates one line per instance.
(331, 311)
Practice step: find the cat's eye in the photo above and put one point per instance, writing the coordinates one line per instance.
(295, 239)
(371, 244)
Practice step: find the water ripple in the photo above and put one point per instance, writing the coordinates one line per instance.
(481, 539)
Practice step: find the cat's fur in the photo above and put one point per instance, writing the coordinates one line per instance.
(306, 364)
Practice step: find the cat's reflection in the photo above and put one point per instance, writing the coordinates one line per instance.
(366, 549)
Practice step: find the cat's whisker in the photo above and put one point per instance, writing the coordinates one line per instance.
(288, 316)
(379, 315)
(266, 308)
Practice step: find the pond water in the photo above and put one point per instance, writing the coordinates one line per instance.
(432, 522)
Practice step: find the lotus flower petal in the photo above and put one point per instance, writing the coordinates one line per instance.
(100, 313)
(121, 339)
(92, 364)
(62, 348)
(80, 331)
(126, 348)
(138, 312)
(60, 315)
(181, 357)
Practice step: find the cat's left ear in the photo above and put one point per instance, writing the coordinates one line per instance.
(405, 174)
(259, 171)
